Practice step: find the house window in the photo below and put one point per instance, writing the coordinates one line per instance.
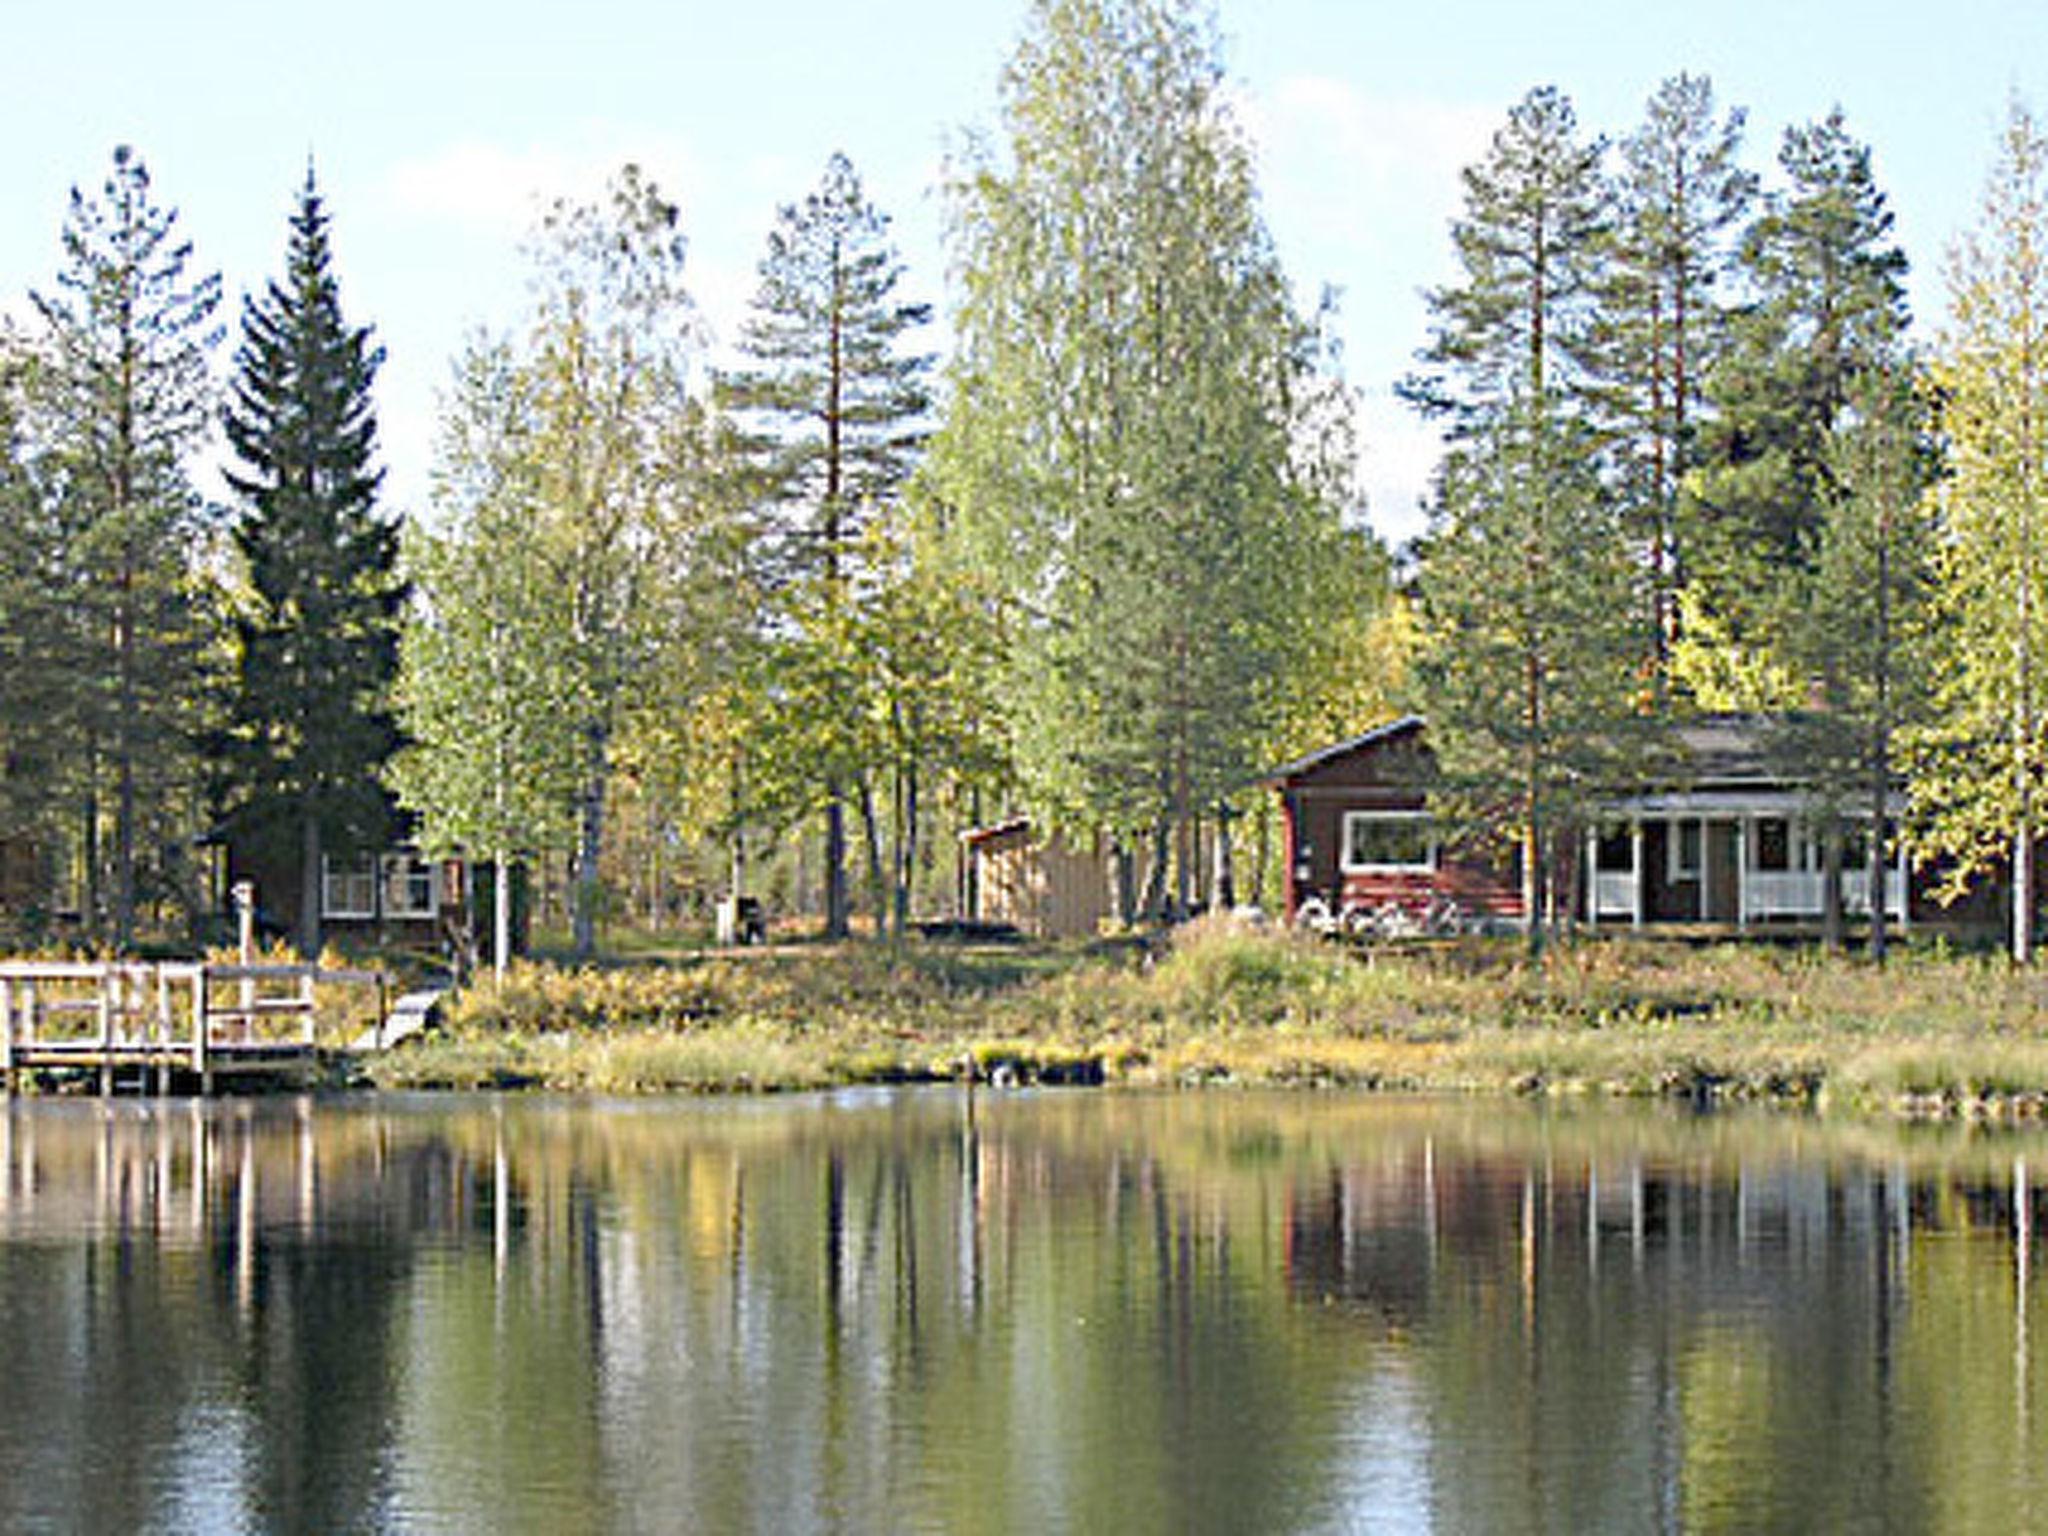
(1774, 846)
(1615, 853)
(1683, 847)
(410, 889)
(1386, 841)
(348, 886)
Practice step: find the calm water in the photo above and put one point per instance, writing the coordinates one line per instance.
(1040, 1313)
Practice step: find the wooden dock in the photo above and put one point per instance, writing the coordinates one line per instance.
(190, 1021)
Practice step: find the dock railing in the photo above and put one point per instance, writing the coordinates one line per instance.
(163, 1015)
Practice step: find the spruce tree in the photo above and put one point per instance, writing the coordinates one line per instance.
(835, 409)
(123, 395)
(312, 723)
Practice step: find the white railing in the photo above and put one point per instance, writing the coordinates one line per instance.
(1614, 893)
(1768, 893)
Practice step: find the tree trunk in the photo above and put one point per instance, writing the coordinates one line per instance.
(308, 937)
(590, 843)
(1880, 793)
(1125, 866)
(871, 846)
(835, 861)
(2023, 890)
(501, 917)
(1223, 879)
(1155, 877)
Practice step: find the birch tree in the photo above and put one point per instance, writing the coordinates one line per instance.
(1978, 773)
(1122, 447)
(606, 360)
(487, 689)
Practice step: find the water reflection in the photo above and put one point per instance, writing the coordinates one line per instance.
(925, 1311)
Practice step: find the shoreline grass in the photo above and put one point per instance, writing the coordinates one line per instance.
(1932, 1034)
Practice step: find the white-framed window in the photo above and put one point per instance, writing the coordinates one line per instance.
(1682, 849)
(1382, 842)
(348, 886)
(1614, 851)
(412, 887)
(1784, 845)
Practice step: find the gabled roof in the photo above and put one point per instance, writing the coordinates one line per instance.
(1322, 755)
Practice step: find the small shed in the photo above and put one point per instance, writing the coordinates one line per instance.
(1046, 887)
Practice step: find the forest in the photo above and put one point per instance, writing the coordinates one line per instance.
(791, 620)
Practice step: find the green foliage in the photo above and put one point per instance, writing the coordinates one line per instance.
(1678, 194)
(835, 407)
(1132, 451)
(1533, 677)
(122, 396)
(1519, 325)
(1979, 769)
(486, 688)
(1827, 303)
(311, 723)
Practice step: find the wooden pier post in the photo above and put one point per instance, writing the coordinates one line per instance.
(200, 1010)
(110, 980)
(161, 1029)
(7, 1034)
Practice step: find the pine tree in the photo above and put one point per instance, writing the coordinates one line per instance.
(1859, 640)
(1126, 450)
(311, 720)
(123, 396)
(1679, 192)
(1531, 672)
(1826, 302)
(1517, 332)
(1980, 772)
(37, 642)
(836, 409)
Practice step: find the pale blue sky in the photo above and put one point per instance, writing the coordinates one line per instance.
(436, 125)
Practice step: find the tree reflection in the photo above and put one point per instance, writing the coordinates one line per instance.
(984, 1313)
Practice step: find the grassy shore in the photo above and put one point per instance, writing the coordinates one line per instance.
(1929, 1034)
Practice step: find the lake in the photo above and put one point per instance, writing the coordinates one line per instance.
(1041, 1312)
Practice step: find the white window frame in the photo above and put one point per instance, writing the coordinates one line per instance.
(342, 883)
(395, 872)
(1428, 866)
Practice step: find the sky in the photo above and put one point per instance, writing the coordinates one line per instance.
(439, 127)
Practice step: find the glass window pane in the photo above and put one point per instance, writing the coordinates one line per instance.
(1381, 840)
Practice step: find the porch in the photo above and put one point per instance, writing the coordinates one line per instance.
(1704, 860)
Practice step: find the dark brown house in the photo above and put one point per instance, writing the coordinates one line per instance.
(1723, 838)
(1359, 837)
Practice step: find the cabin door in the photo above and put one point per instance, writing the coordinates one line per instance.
(1723, 850)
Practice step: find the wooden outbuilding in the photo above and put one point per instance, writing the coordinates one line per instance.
(1044, 887)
